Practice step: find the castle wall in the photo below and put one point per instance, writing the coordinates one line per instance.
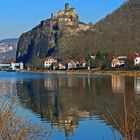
(69, 14)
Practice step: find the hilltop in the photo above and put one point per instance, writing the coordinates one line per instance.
(63, 35)
(50, 36)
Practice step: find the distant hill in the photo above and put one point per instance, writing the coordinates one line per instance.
(65, 36)
(10, 41)
(8, 49)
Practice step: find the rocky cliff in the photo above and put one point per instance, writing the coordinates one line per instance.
(49, 37)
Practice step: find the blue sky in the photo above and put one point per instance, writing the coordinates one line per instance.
(18, 16)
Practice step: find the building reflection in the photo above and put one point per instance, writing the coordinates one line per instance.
(50, 84)
(137, 85)
(63, 101)
(118, 84)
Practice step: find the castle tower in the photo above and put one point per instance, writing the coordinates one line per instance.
(66, 6)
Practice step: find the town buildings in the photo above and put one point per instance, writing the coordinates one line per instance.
(112, 62)
(124, 61)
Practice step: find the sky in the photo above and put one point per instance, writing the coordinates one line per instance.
(19, 16)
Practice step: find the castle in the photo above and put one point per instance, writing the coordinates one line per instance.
(68, 14)
(68, 17)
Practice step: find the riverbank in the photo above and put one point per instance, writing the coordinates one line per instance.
(109, 72)
(91, 72)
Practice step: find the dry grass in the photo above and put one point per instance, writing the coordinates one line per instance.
(13, 128)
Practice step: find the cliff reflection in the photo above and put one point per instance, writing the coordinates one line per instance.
(63, 101)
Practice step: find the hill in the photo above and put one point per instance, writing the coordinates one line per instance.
(51, 36)
(65, 36)
(120, 31)
(116, 34)
(8, 49)
(10, 41)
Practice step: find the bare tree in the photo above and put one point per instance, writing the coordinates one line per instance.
(127, 122)
(13, 127)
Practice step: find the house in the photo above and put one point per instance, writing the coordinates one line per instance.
(48, 61)
(17, 66)
(72, 64)
(54, 66)
(117, 63)
(83, 64)
(137, 60)
(61, 66)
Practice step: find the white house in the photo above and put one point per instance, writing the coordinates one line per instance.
(137, 61)
(116, 62)
(82, 64)
(61, 66)
(48, 61)
(17, 66)
(72, 64)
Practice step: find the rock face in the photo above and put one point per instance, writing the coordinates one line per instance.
(48, 37)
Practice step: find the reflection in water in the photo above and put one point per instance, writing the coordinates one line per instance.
(127, 119)
(137, 85)
(66, 100)
(118, 84)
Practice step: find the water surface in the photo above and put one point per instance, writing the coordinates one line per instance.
(75, 106)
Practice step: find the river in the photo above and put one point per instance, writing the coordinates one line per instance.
(75, 106)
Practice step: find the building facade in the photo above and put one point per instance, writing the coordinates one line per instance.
(48, 61)
(137, 61)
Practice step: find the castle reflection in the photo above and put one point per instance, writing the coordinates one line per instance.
(63, 101)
